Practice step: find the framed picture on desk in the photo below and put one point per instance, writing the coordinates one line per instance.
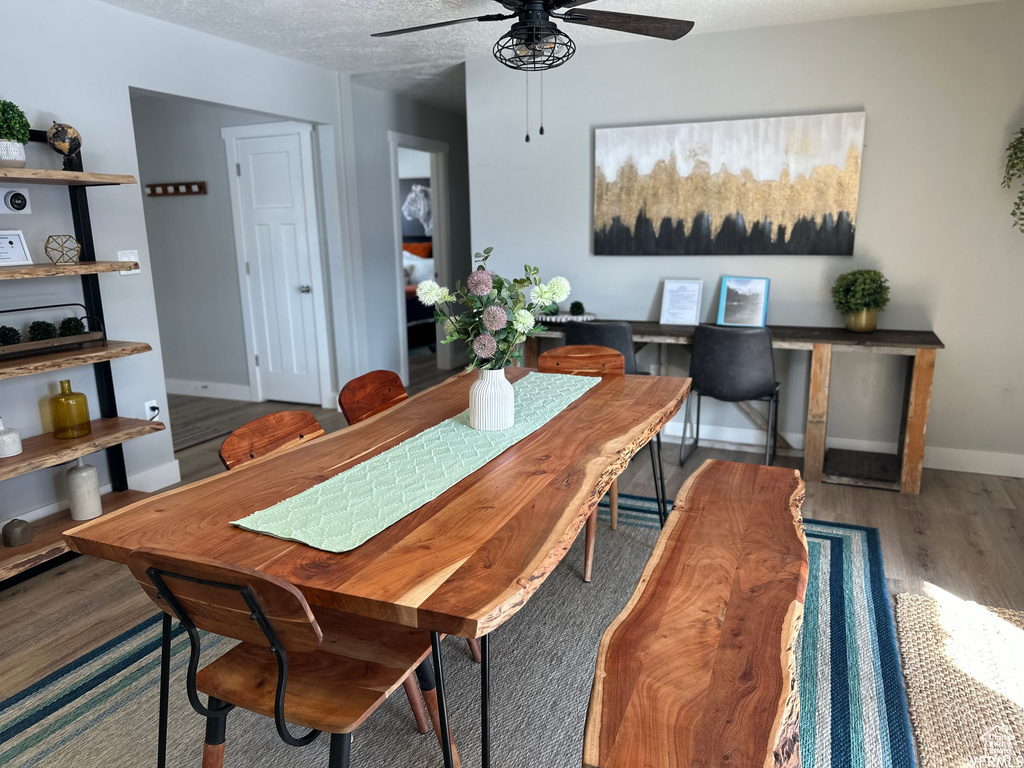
(744, 301)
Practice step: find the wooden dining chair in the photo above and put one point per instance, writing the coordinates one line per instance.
(327, 672)
(268, 434)
(368, 395)
(588, 360)
(277, 432)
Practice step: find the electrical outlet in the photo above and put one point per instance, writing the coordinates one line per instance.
(151, 409)
(128, 256)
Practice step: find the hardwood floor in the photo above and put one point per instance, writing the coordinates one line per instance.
(963, 534)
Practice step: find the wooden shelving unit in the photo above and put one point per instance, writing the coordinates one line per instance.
(95, 352)
(109, 431)
(24, 271)
(63, 178)
(48, 536)
(44, 451)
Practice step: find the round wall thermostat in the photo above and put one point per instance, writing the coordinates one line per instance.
(15, 201)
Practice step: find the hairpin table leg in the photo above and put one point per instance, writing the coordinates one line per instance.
(442, 708)
(165, 684)
(485, 699)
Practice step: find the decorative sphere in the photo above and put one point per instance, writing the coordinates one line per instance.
(64, 139)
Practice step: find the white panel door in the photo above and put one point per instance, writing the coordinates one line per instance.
(278, 265)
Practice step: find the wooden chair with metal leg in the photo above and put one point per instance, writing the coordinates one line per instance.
(277, 432)
(368, 395)
(326, 671)
(584, 360)
(619, 336)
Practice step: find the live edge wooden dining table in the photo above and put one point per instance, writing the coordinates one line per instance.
(462, 564)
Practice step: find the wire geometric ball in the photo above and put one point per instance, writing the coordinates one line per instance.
(62, 249)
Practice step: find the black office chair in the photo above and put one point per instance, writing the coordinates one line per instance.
(619, 336)
(734, 365)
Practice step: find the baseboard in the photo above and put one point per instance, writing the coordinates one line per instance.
(953, 459)
(210, 389)
(149, 480)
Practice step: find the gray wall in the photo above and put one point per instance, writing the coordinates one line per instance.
(200, 320)
(375, 113)
(125, 50)
(942, 91)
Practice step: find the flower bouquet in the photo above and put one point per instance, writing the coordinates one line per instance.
(494, 315)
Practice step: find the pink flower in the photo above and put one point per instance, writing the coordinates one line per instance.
(494, 318)
(480, 282)
(484, 346)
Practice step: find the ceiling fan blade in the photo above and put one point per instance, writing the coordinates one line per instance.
(652, 26)
(489, 17)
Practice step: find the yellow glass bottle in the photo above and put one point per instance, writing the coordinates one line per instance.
(70, 412)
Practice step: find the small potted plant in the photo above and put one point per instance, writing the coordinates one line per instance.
(859, 295)
(1015, 171)
(13, 135)
(495, 316)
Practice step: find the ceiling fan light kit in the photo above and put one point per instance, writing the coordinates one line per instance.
(535, 43)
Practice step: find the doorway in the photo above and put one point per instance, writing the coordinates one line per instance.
(419, 180)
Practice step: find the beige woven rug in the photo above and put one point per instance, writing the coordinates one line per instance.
(964, 670)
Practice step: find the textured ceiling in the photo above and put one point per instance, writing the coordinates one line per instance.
(425, 65)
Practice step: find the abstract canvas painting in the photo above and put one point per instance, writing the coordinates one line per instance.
(776, 185)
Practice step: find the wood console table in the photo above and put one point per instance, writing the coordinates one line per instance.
(896, 472)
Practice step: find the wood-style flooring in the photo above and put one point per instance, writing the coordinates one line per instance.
(964, 534)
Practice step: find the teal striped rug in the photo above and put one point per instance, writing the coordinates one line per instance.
(101, 708)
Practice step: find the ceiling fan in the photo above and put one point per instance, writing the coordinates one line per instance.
(535, 43)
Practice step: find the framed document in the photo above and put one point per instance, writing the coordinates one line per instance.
(680, 302)
(13, 249)
(744, 301)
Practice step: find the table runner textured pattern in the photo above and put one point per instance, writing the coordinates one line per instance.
(341, 513)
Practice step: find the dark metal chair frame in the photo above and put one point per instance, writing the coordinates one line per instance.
(217, 711)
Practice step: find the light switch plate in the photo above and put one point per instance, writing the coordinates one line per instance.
(128, 256)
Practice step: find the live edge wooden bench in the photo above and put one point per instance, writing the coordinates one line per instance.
(698, 669)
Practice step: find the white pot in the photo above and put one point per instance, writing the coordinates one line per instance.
(12, 154)
(84, 491)
(492, 403)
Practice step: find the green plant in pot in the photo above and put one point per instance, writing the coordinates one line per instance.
(13, 135)
(1015, 173)
(859, 295)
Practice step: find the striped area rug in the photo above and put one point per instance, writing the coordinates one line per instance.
(100, 709)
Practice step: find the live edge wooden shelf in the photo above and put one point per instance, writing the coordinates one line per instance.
(64, 178)
(896, 472)
(23, 271)
(48, 536)
(87, 354)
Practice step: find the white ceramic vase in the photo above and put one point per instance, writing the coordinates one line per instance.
(12, 154)
(492, 403)
(84, 491)
(10, 441)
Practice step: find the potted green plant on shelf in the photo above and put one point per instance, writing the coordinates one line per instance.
(859, 295)
(13, 135)
(1015, 171)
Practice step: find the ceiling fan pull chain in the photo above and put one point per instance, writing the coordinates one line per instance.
(542, 102)
(527, 107)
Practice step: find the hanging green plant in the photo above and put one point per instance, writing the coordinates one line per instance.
(71, 326)
(9, 336)
(41, 330)
(1014, 172)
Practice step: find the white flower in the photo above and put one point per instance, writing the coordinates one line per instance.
(541, 295)
(523, 321)
(560, 288)
(430, 293)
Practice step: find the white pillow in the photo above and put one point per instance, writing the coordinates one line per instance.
(421, 269)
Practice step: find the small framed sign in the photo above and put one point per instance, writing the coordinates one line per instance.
(744, 301)
(13, 249)
(680, 302)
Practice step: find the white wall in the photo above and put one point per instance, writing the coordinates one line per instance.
(375, 113)
(90, 90)
(413, 163)
(201, 328)
(942, 92)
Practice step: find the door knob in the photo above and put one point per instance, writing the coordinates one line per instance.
(305, 289)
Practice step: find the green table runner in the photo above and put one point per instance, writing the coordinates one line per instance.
(341, 513)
